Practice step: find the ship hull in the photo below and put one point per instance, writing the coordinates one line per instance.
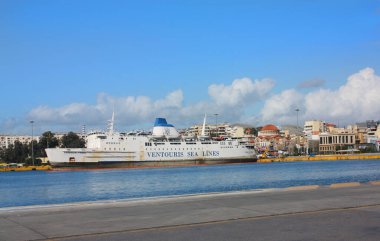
(141, 164)
(140, 151)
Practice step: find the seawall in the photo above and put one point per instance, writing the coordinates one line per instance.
(28, 168)
(321, 158)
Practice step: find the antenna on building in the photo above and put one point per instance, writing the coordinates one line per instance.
(83, 129)
(297, 110)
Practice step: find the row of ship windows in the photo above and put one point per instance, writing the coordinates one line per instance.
(173, 149)
(223, 143)
(166, 149)
(174, 143)
(115, 149)
(179, 149)
(187, 143)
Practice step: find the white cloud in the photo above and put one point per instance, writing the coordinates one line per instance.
(280, 108)
(129, 110)
(356, 100)
(240, 92)
(226, 100)
(172, 100)
(66, 114)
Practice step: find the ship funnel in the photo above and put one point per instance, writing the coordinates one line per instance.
(161, 122)
(162, 129)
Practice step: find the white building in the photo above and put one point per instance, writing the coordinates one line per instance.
(312, 129)
(373, 137)
(219, 130)
(330, 141)
(7, 140)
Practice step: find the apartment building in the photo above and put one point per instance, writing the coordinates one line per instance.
(313, 128)
(7, 140)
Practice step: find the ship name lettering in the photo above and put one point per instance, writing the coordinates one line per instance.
(192, 154)
(165, 154)
(211, 153)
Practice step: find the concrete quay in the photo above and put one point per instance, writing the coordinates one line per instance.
(335, 157)
(348, 211)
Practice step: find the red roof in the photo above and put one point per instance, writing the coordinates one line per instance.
(269, 127)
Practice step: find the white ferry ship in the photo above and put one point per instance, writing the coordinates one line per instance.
(164, 147)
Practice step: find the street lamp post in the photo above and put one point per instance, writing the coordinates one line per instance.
(32, 122)
(297, 110)
(216, 124)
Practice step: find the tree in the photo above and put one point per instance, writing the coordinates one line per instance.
(5, 154)
(251, 131)
(21, 152)
(72, 140)
(2, 154)
(47, 140)
(295, 151)
(16, 152)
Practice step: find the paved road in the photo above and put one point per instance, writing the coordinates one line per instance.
(325, 213)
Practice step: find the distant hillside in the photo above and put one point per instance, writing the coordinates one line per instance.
(293, 129)
(243, 125)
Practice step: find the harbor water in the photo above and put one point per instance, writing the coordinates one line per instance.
(57, 187)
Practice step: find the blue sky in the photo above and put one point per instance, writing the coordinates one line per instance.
(68, 63)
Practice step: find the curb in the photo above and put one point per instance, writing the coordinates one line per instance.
(333, 186)
(346, 184)
(301, 188)
(377, 183)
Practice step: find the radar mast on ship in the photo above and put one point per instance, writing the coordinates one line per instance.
(111, 124)
(203, 133)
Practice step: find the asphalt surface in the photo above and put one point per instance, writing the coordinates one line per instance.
(340, 212)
